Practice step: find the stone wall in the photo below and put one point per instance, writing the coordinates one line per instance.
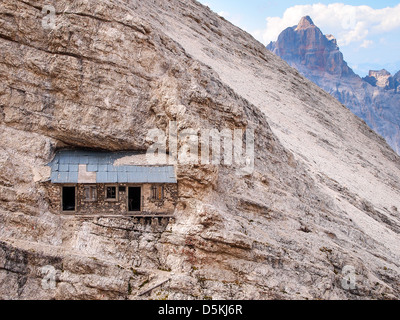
(102, 206)
(167, 204)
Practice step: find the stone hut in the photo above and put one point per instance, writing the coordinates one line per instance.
(105, 183)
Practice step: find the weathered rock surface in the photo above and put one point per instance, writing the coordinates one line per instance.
(375, 98)
(324, 194)
(306, 45)
(382, 79)
(396, 78)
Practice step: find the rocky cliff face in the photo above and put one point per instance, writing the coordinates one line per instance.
(375, 98)
(396, 78)
(306, 45)
(324, 195)
(382, 79)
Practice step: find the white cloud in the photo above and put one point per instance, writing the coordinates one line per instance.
(224, 14)
(367, 43)
(205, 3)
(347, 23)
(236, 19)
(383, 41)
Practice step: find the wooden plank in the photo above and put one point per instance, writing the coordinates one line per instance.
(122, 216)
(155, 287)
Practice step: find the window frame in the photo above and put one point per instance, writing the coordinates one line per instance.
(160, 193)
(116, 193)
(84, 193)
(157, 192)
(154, 192)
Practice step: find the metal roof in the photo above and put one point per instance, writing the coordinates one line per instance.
(100, 166)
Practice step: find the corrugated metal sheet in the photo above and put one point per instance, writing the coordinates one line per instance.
(92, 168)
(122, 176)
(112, 177)
(65, 167)
(101, 177)
(73, 168)
(64, 177)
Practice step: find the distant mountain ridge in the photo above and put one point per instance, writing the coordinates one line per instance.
(383, 79)
(305, 45)
(374, 98)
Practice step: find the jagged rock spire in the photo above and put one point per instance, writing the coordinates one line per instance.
(305, 23)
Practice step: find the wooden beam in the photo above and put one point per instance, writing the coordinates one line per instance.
(122, 216)
(155, 287)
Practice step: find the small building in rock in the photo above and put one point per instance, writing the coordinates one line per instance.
(104, 183)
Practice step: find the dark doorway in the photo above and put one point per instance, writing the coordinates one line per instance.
(134, 199)
(68, 198)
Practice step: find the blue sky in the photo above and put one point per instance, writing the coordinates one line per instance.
(368, 32)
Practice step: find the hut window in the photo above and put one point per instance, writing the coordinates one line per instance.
(90, 193)
(111, 193)
(157, 192)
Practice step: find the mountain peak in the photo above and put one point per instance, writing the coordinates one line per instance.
(376, 73)
(305, 23)
(306, 46)
(381, 78)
